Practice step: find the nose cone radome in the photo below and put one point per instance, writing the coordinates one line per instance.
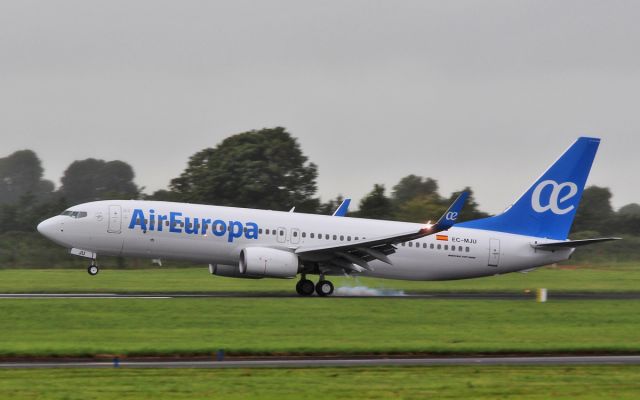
(47, 228)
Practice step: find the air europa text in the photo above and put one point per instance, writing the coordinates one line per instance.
(175, 222)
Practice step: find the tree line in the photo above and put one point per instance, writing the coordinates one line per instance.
(258, 169)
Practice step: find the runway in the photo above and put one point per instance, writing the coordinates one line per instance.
(343, 362)
(399, 296)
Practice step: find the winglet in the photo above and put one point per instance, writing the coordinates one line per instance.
(450, 216)
(341, 211)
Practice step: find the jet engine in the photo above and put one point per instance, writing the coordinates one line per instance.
(270, 263)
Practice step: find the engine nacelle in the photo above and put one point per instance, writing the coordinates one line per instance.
(266, 262)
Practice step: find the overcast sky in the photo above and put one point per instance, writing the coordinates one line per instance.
(472, 93)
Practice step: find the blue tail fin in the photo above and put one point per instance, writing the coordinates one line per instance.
(548, 207)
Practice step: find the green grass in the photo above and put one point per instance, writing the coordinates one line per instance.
(514, 382)
(622, 277)
(313, 325)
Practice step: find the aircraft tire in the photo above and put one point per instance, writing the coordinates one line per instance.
(93, 270)
(324, 288)
(304, 287)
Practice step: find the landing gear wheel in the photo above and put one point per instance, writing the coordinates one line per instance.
(324, 288)
(304, 287)
(93, 270)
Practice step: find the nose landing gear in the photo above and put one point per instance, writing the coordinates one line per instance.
(93, 268)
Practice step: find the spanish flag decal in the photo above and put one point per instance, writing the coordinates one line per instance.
(442, 237)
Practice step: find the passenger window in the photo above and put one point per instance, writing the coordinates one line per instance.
(446, 247)
(467, 249)
(311, 235)
(295, 234)
(403, 244)
(431, 246)
(424, 245)
(281, 232)
(356, 238)
(266, 232)
(439, 247)
(335, 237)
(348, 238)
(342, 238)
(326, 236)
(260, 231)
(304, 234)
(459, 248)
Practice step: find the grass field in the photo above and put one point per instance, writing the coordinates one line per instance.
(621, 277)
(84, 327)
(514, 382)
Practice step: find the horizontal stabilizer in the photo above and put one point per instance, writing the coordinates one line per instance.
(570, 243)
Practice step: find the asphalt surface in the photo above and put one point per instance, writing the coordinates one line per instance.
(346, 362)
(458, 295)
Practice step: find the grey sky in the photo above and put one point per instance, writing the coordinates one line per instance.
(478, 93)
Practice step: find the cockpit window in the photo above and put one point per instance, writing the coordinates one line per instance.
(74, 214)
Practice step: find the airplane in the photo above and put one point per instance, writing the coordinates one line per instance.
(251, 243)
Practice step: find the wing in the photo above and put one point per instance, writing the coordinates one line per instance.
(355, 255)
(341, 211)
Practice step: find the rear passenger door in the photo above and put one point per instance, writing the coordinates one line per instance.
(494, 252)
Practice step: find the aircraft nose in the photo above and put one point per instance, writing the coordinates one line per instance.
(47, 228)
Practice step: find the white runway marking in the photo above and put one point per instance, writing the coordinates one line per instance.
(82, 296)
(323, 362)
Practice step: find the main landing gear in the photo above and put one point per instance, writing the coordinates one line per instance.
(305, 287)
(93, 268)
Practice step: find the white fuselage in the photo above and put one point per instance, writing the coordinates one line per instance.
(108, 229)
